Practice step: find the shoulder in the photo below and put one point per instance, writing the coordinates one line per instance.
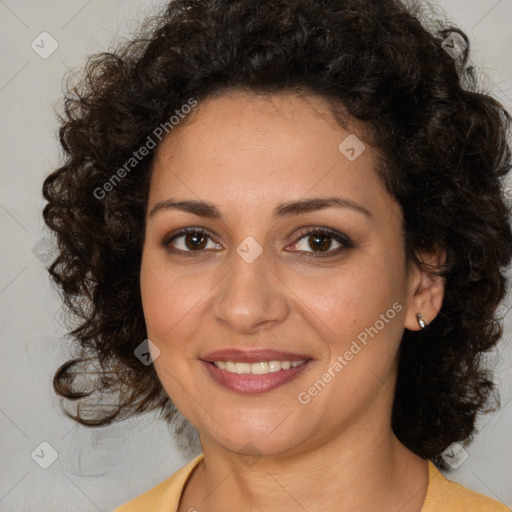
(444, 495)
(164, 496)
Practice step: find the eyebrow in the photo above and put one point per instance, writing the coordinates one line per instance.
(210, 211)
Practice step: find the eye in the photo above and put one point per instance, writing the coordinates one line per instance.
(319, 241)
(322, 242)
(189, 240)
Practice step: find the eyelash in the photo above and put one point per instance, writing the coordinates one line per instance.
(343, 240)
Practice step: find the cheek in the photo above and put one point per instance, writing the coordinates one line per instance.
(350, 297)
(360, 311)
(157, 302)
(167, 297)
(165, 309)
(362, 319)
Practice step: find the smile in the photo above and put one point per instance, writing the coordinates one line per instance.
(258, 368)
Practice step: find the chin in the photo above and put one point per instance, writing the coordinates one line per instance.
(269, 438)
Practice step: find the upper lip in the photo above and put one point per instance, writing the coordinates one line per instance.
(252, 356)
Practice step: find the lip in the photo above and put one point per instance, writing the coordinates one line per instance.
(253, 384)
(248, 383)
(252, 356)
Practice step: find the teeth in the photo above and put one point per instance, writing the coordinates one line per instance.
(242, 368)
(260, 368)
(274, 366)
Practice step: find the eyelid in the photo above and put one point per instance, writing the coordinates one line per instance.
(166, 240)
(341, 238)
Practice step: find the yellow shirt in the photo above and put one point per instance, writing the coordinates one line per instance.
(443, 495)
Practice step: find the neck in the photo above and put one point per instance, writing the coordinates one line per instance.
(334, 475)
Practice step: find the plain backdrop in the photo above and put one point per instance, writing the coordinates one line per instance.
(98, 469)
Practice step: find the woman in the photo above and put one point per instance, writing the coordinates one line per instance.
(285, 221)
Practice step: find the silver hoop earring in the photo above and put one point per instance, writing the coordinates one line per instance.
(422, 322)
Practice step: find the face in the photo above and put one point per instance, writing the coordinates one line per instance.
(273, 279)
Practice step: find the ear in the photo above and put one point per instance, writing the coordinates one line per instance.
(425, 289)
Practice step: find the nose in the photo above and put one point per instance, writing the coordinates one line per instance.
(251, 297)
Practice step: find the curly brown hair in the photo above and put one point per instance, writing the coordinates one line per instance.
(444, 151)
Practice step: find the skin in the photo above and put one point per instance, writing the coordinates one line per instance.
(246, 154)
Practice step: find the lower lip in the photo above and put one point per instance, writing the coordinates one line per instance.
(250, 384)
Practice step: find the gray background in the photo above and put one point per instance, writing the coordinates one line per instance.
(102, 468)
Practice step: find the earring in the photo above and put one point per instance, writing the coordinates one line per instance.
(422, 322)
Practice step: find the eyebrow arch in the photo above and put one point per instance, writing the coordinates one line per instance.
(209, 210)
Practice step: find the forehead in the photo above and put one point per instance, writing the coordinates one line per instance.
(242, 149)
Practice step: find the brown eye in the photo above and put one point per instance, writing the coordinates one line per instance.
(188, 241)
(322, 242)
(195, 241)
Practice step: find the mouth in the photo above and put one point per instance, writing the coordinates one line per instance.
(255, 371)
(259, 368)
